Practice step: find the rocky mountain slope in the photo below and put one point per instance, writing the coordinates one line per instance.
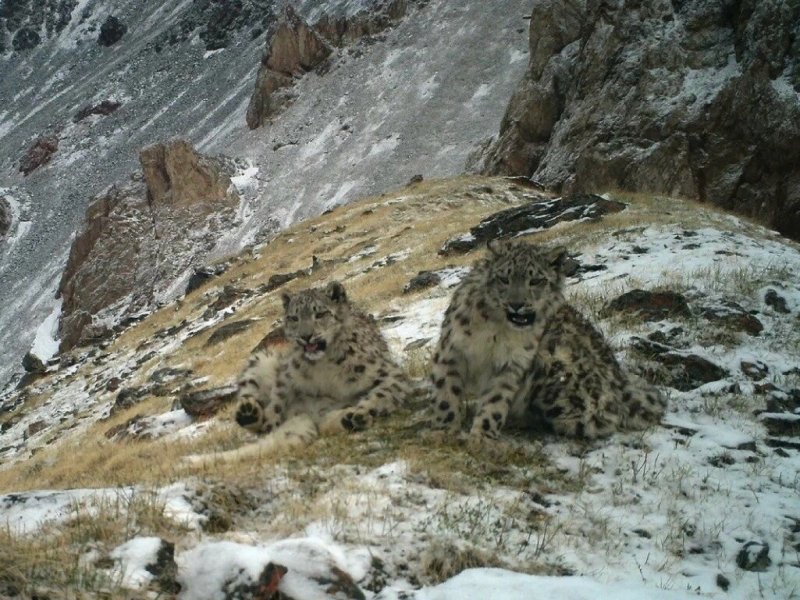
(94, 452)
(86, 85)
(698, 99)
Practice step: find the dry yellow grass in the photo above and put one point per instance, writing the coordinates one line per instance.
(412, 222)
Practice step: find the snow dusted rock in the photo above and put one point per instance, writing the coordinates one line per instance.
(145, 562)
(314, 570)
(541, 213)
(33, 364)
(39, 154)
(140, 236)
(696, 99)
(754, 556)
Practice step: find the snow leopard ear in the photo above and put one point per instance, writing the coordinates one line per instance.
(498, 246)
(335, 291)
(557, 257)
(286, 300)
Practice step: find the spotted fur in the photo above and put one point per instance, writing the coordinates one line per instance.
(337, 374)
(510, 341)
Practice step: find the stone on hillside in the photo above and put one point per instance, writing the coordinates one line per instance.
(650, 306)
(33, 364)
(229, 330)
(25, 39)
(202, 275)
(422, 281)
(206, 403)
(755, 371)
(142, 234)
(535, 216)
(39, 154)
(164, 568)
(690, 371)
(104, 108)
(754, 556)
(693, 99)
(111, 31)
(776, 301)
(734, 317)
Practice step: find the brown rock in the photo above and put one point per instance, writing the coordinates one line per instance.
(206, 403)
(733, 317)
(650, 306)
(695, 99)
(755, 371)
(104, 108)
(341, 31)
(136, 238)
(294, 49)
(39, 154)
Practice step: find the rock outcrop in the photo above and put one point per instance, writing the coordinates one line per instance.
(698, 99)
(140, 235)
(296, 47)
(40, 153)
(5, 217)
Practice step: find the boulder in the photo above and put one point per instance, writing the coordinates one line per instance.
(694, 99)
(111, 31)
(39, 154)
(104, 108)
(140, 235)
(534, 216)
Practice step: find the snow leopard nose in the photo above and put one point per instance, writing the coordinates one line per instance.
(516, 306)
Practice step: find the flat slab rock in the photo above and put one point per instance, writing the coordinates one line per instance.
(535, 216)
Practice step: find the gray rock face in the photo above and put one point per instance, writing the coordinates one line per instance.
(22, 21)
(698, 99)
(135, 240)
(5, 217)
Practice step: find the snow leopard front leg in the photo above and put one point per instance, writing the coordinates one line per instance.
(496, 400)
(265, 411)
(389, 390)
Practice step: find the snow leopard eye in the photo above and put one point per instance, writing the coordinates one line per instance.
(322, 314)
(293, 318)
(537, 281)
(503, 279)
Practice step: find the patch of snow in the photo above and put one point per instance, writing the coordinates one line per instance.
(482, 91)
(133, 557)
(209, 53)
(46, 341)
(500, 584)
(212, 566)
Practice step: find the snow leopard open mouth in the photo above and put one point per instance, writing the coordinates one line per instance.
(521, 319)
(315, 348)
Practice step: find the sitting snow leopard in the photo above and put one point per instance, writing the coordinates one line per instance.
(510, 340)
(336, 375)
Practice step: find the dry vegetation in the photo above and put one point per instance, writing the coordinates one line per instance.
(412, 224)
